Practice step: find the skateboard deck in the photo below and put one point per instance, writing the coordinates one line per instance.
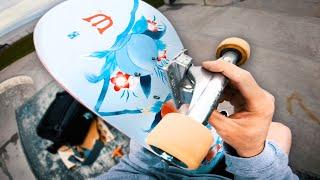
(109, 55)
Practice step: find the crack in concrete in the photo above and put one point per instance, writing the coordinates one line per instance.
(4, 156)
(296, 96)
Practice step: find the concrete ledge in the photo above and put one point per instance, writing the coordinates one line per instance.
(23, 13)
(15, 81)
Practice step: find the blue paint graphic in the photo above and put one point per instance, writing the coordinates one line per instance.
(73, 35)
(154, 109)
(136, 53)
(145, 82)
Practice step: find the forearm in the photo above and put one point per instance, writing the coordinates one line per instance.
(271, 163)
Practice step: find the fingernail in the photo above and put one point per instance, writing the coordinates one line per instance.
(205, 63)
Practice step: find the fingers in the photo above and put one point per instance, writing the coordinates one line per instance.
(221, 123)
(240, 78)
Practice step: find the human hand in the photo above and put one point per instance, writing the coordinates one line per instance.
(245, 131)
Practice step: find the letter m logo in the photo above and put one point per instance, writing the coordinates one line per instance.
(100, 21)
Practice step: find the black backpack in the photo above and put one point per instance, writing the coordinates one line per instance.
(66, 122)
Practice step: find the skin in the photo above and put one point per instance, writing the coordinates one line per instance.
(280, 134)
(247, 130)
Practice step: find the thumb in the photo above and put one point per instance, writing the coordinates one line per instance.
(220, 122)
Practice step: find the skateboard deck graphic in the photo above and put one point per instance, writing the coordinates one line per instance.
(110, 55)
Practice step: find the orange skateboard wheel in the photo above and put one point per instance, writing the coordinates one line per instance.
(238, 44)
(183, 138)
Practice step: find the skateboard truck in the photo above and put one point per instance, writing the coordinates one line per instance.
(195, 86)
(183, 139)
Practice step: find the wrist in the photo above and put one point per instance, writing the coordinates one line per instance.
(247, 153)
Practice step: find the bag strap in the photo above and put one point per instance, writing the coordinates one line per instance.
(94, 153)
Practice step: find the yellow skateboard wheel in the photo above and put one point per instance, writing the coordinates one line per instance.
(238, 44)
(183, 138)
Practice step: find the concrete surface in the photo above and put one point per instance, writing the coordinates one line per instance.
(29, 66)
(12, 160)
(13, 163)
(309, 8)
(285, 40)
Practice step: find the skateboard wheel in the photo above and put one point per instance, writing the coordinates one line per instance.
(241, 46)
(183, 138)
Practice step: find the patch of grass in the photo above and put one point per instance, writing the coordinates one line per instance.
(154, 3)
(16, 51)
(25, 45)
